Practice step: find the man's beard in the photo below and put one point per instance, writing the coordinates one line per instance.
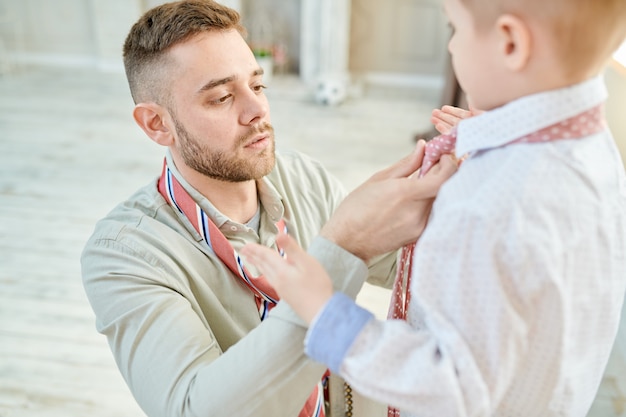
(226, 166)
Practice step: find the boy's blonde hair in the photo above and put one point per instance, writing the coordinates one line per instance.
(586, 32)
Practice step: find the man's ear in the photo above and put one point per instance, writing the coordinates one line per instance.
(152, 118)
(515, 41)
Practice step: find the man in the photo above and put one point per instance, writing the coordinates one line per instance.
(189, 327)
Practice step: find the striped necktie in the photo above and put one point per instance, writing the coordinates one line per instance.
(265, 296)
(584, 124)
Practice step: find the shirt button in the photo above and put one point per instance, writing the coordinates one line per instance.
(233, 228)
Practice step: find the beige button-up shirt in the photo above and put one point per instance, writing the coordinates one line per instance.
(185, 331)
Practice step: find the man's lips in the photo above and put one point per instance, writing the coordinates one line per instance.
(259, 141)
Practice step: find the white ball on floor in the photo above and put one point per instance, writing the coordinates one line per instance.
(330, 92)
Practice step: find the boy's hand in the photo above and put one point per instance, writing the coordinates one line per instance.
(298, 278)
(447, 117)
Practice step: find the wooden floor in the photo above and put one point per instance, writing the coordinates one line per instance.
(69, 151)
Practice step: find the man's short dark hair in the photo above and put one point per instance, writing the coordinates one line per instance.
(145, 50)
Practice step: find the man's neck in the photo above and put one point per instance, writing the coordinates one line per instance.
(236, 200)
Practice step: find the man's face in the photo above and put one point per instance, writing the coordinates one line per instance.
(219, 110)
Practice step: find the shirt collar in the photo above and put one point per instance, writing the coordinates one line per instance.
(270, 199)
(526, 115)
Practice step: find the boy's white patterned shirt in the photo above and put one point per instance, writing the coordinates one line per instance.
(518, 280)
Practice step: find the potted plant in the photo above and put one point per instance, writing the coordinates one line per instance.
(265, 58)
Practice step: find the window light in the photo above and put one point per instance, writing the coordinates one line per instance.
(620, 55)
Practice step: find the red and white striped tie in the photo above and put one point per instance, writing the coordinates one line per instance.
(265, 296)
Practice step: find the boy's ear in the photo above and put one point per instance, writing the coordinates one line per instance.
(151, 118)
(515, 41)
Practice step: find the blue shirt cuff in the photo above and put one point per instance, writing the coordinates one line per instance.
(334, 329)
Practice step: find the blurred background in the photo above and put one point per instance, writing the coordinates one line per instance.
(351, 83)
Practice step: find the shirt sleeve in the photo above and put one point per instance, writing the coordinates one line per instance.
(170, 357)
(339, 322)
(388, 361)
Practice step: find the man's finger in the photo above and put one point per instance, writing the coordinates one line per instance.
(442, 170)
(437, 175)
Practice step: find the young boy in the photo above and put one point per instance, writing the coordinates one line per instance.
(518, 279)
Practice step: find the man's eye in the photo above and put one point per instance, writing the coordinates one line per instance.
(222, 100)
(259, 88)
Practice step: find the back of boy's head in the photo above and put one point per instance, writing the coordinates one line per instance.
(585, 32)
(145, 49)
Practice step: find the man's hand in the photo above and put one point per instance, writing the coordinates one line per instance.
(386, 212)
(390, 209)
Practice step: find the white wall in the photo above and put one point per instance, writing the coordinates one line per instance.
(615, 77)
(70, 33)
(111, 21)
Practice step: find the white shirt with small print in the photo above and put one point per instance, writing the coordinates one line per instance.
(518, 280)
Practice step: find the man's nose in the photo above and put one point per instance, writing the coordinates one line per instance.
(254, 107)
